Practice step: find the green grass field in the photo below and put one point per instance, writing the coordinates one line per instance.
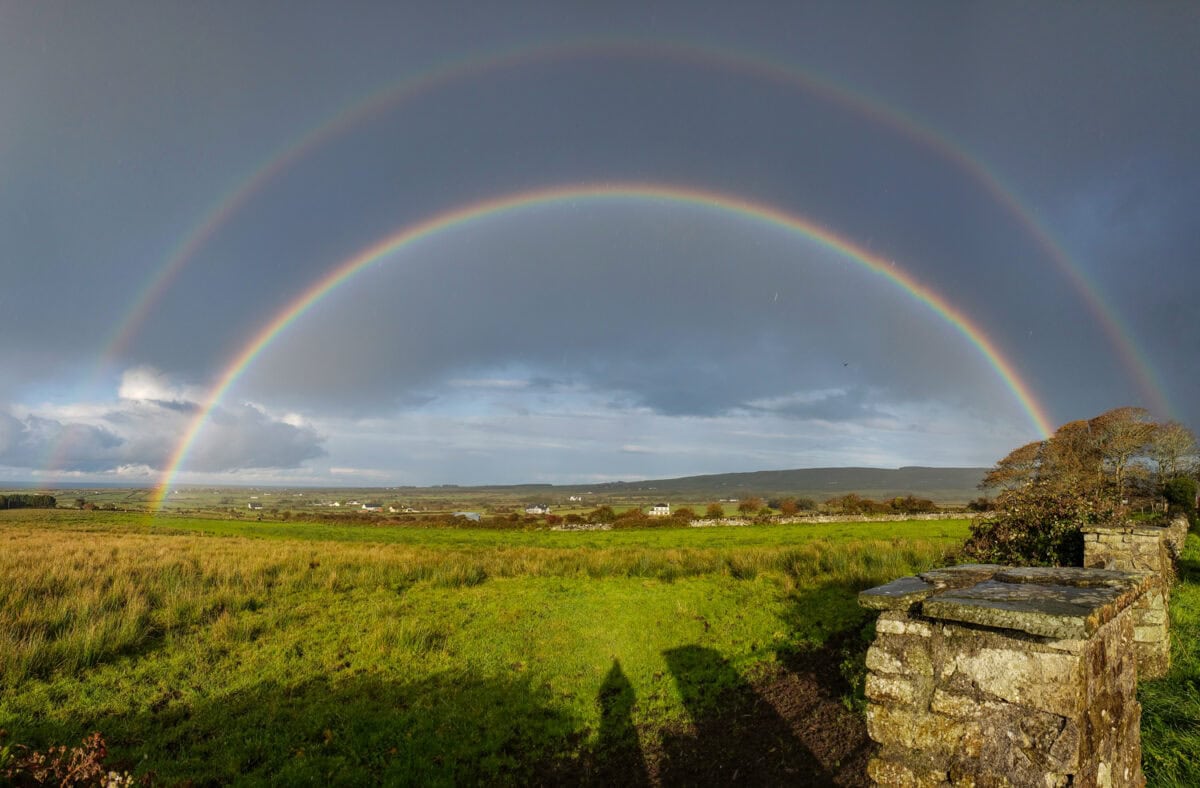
(209, 650)
(206, 650)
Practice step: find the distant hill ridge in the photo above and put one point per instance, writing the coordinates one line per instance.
(941, 484)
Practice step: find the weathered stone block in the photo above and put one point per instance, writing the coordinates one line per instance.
(1148, 634)
(899, 594)
(887, 688)
(1061, 612)
(918, 729)
(899, 655)
(1026, 677)
(1046, 681)
(961, 576)
(1130, 547)
(889, 772)
(894, 622)
(956, 704)
(1153, 616)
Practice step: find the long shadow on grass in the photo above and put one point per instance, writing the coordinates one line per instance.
(348, 730)
(617, 758)
(737, 735)
(820, 688)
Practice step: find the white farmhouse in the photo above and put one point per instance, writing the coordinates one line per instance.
(660, 510)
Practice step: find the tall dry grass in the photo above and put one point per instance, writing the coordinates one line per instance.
(71, 600)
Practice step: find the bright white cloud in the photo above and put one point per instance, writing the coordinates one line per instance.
(147, 383)
(136, 435)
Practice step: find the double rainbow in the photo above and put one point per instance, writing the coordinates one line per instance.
(668, 194)
(394, 94)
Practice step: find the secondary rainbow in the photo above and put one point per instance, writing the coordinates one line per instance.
(455, 217)
(395, 93)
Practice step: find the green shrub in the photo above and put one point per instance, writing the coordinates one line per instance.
(1180, 493)
(1033, 525)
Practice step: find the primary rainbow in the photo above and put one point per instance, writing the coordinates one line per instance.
(452, 218)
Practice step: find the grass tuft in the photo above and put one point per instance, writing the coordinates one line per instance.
(1171, 705)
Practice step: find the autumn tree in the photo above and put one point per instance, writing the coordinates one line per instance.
(1121, 435)
(602, 514)
(1092, 457)
(1174, 451)
(685, 514)
(1081, 474)
(715, 511)
(788, 507)
(750, 505)
(1018, 468)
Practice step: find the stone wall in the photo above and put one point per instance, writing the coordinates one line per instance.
(1127, 547)
(1151, 549)
(982, 675)
(987, 675)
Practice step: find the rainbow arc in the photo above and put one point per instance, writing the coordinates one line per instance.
(449, 220)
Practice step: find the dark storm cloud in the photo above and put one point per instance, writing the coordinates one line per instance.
(121, 138)
(30, 442)
(684, 310)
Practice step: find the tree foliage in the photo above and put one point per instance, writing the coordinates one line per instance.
(853, 503)
(1103, 458)
(1086, 472)
(1180, 493)
(751, 505)
(27, 501)
(1037, 526)
(1174, 450)
(602, 514)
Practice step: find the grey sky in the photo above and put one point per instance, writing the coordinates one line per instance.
(594, 340)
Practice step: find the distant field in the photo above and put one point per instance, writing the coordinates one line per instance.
(954, 530)
(205, 650)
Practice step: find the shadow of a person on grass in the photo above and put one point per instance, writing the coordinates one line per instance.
(619, 749)
(736, 736)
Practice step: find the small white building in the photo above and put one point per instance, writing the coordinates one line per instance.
(537, 508)
(372, 507)
(254, 505)
(660, 510)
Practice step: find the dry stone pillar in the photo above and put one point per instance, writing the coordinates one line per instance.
(982, 675)
(1150, 549)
